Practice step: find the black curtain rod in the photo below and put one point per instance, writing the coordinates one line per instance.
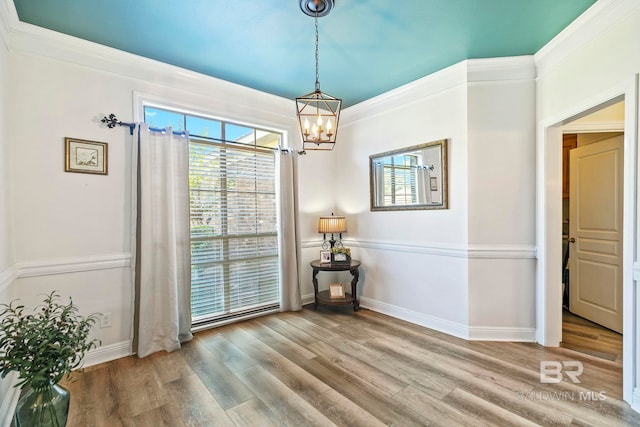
(111, 121)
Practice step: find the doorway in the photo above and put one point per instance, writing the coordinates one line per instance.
(549, 223)
(592, 177)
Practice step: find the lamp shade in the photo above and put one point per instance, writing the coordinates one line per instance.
(332, 224)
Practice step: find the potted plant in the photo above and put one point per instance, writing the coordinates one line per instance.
(43, 347)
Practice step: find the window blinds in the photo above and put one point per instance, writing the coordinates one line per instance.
(234, 248)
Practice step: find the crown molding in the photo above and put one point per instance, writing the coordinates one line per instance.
(405, 95)
(23, 38)
(8, 18)
(501, 69)
(463, 73)
(601, 16)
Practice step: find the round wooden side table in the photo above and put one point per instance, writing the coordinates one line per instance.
(324, 297)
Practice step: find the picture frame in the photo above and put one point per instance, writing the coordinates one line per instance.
(84, 156)
(325, 257)
(340, 258)
(336, 290)
(430, 161)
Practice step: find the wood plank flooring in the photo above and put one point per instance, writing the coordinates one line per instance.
(587, 337)
(335, 367)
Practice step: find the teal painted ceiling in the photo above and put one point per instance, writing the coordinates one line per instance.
(367, 47)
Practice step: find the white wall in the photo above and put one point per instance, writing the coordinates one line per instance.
(403, 272)
(72, 230)
(6, 239)
(467, 270)
(502, 201)
(7, 260)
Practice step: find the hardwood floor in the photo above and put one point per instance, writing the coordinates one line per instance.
(587, 337)
(336, 367)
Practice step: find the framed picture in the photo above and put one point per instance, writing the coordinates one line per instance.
(325, 257)
(340, 258)
(84, 156)
(336, 290)
(433, 183)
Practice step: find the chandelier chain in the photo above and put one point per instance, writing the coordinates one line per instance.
(317, 72)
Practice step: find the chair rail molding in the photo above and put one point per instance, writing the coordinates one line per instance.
(450, 250)
(73, 265)
(7, 277)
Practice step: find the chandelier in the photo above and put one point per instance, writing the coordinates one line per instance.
(318, 113)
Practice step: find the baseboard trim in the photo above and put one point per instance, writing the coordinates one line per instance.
(107, 353)
(308, 299)
(442, 325)
(10, 400)
(635, 399)
(481, 333)
(471, 333)
(73, 265)
(636, 271)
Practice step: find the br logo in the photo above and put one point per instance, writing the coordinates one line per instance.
(551, 372)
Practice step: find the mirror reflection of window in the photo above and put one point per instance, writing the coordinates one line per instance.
(411, 178)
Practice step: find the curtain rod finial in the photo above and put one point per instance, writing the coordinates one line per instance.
(110, 120)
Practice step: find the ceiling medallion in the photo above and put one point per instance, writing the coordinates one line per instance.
(321, 7)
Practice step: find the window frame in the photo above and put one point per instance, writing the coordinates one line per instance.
(142, 100)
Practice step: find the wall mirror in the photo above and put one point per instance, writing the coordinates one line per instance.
(409, 178)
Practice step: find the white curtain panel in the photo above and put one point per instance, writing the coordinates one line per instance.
(424, 191)
(379, 184)
(160, 227)
(289, 235)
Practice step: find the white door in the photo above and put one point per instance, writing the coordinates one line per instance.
(595, 232)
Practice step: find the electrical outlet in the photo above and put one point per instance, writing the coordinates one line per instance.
(105, 320)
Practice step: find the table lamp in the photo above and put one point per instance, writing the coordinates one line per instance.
(334, 225)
